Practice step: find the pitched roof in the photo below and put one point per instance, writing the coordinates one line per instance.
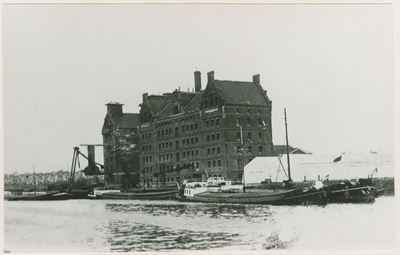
(239, 92)
(127, 120)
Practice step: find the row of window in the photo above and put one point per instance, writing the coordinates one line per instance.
(212, 122)
(248, 122)
(213, 151)
(248, 110)
(146, 135)
(249, 136)
(215, 163)
(170, 122)
(239, 149)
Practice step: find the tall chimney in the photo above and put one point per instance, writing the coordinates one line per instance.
(210, 76)
(197, 81)
(256, 79)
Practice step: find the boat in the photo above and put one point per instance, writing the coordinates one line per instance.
(150, 194)
(206, 193)
(37, 195)
(358, 191)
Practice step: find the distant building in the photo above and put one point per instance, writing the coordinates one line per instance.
(281, 149)
(210, 132)
(121, 157)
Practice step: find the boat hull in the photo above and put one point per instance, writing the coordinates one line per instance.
(163, 195)
(292, 197)
(44, 197)
(364, 194)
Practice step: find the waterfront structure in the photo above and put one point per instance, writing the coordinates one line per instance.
(120, 139)
(210, 132)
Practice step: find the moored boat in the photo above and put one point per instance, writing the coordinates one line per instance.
(156, 194)
(361, 191)
(39, 196)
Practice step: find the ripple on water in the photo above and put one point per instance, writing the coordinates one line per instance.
(125, 236)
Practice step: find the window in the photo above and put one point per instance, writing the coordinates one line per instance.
(209, 164)
(207, 124)
(217, 122)
(249, 136)
(212, 123)
(187, 128)
(187, 141)
(218, 150)
(170, 144)
(159, 157)
(249, 149)
(183, 141)
(162, 132)
(158, 133)
(214, 163)
(197, 165)
(159, 145)
(238, 136)
(177, 156)
(208, 138)
(208, 151)
(260, 136)
(248, 122)
(259, 111)
(213, 137)
(219, 163)
(239, 163)
(170, 131)
(259, 122)
(195, 126)
(196, 139)
(260, 149)
(237, 121)
(184, 154)
(218, 137)
(192, 153)
(163, 145)
(177, 144)
(191, 127)
(183, 129)
(197, 153)
(176, 131)
(166, 145)
(192, 140)
(213, 151)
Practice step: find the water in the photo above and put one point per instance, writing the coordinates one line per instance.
(133, 226)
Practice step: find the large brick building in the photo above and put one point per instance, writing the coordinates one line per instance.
(211, 132)
(121, 156)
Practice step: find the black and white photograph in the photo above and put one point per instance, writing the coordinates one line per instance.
(199, 127)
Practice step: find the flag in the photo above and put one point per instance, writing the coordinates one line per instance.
(337, 159)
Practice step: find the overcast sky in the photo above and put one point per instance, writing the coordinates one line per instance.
(331, 66)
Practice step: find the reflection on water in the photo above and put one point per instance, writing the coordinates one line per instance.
(215, 211)
(129, 226)
(141, 237)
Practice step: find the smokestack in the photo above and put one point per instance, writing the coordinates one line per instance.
(256, 79)
(197, 81)
(210, 76)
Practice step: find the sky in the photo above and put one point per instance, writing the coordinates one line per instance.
(330, 65)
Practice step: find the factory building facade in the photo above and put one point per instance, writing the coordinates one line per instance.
(213, 131)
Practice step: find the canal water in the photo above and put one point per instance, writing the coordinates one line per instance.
(133, 226)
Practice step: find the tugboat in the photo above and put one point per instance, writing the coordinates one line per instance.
(204, 192)
(359, 191)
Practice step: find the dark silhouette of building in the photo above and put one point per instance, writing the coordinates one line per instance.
(121, 156)
(210, 132)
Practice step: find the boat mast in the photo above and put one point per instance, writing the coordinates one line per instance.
(34, 180)
(287, 148)
(241, 141)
